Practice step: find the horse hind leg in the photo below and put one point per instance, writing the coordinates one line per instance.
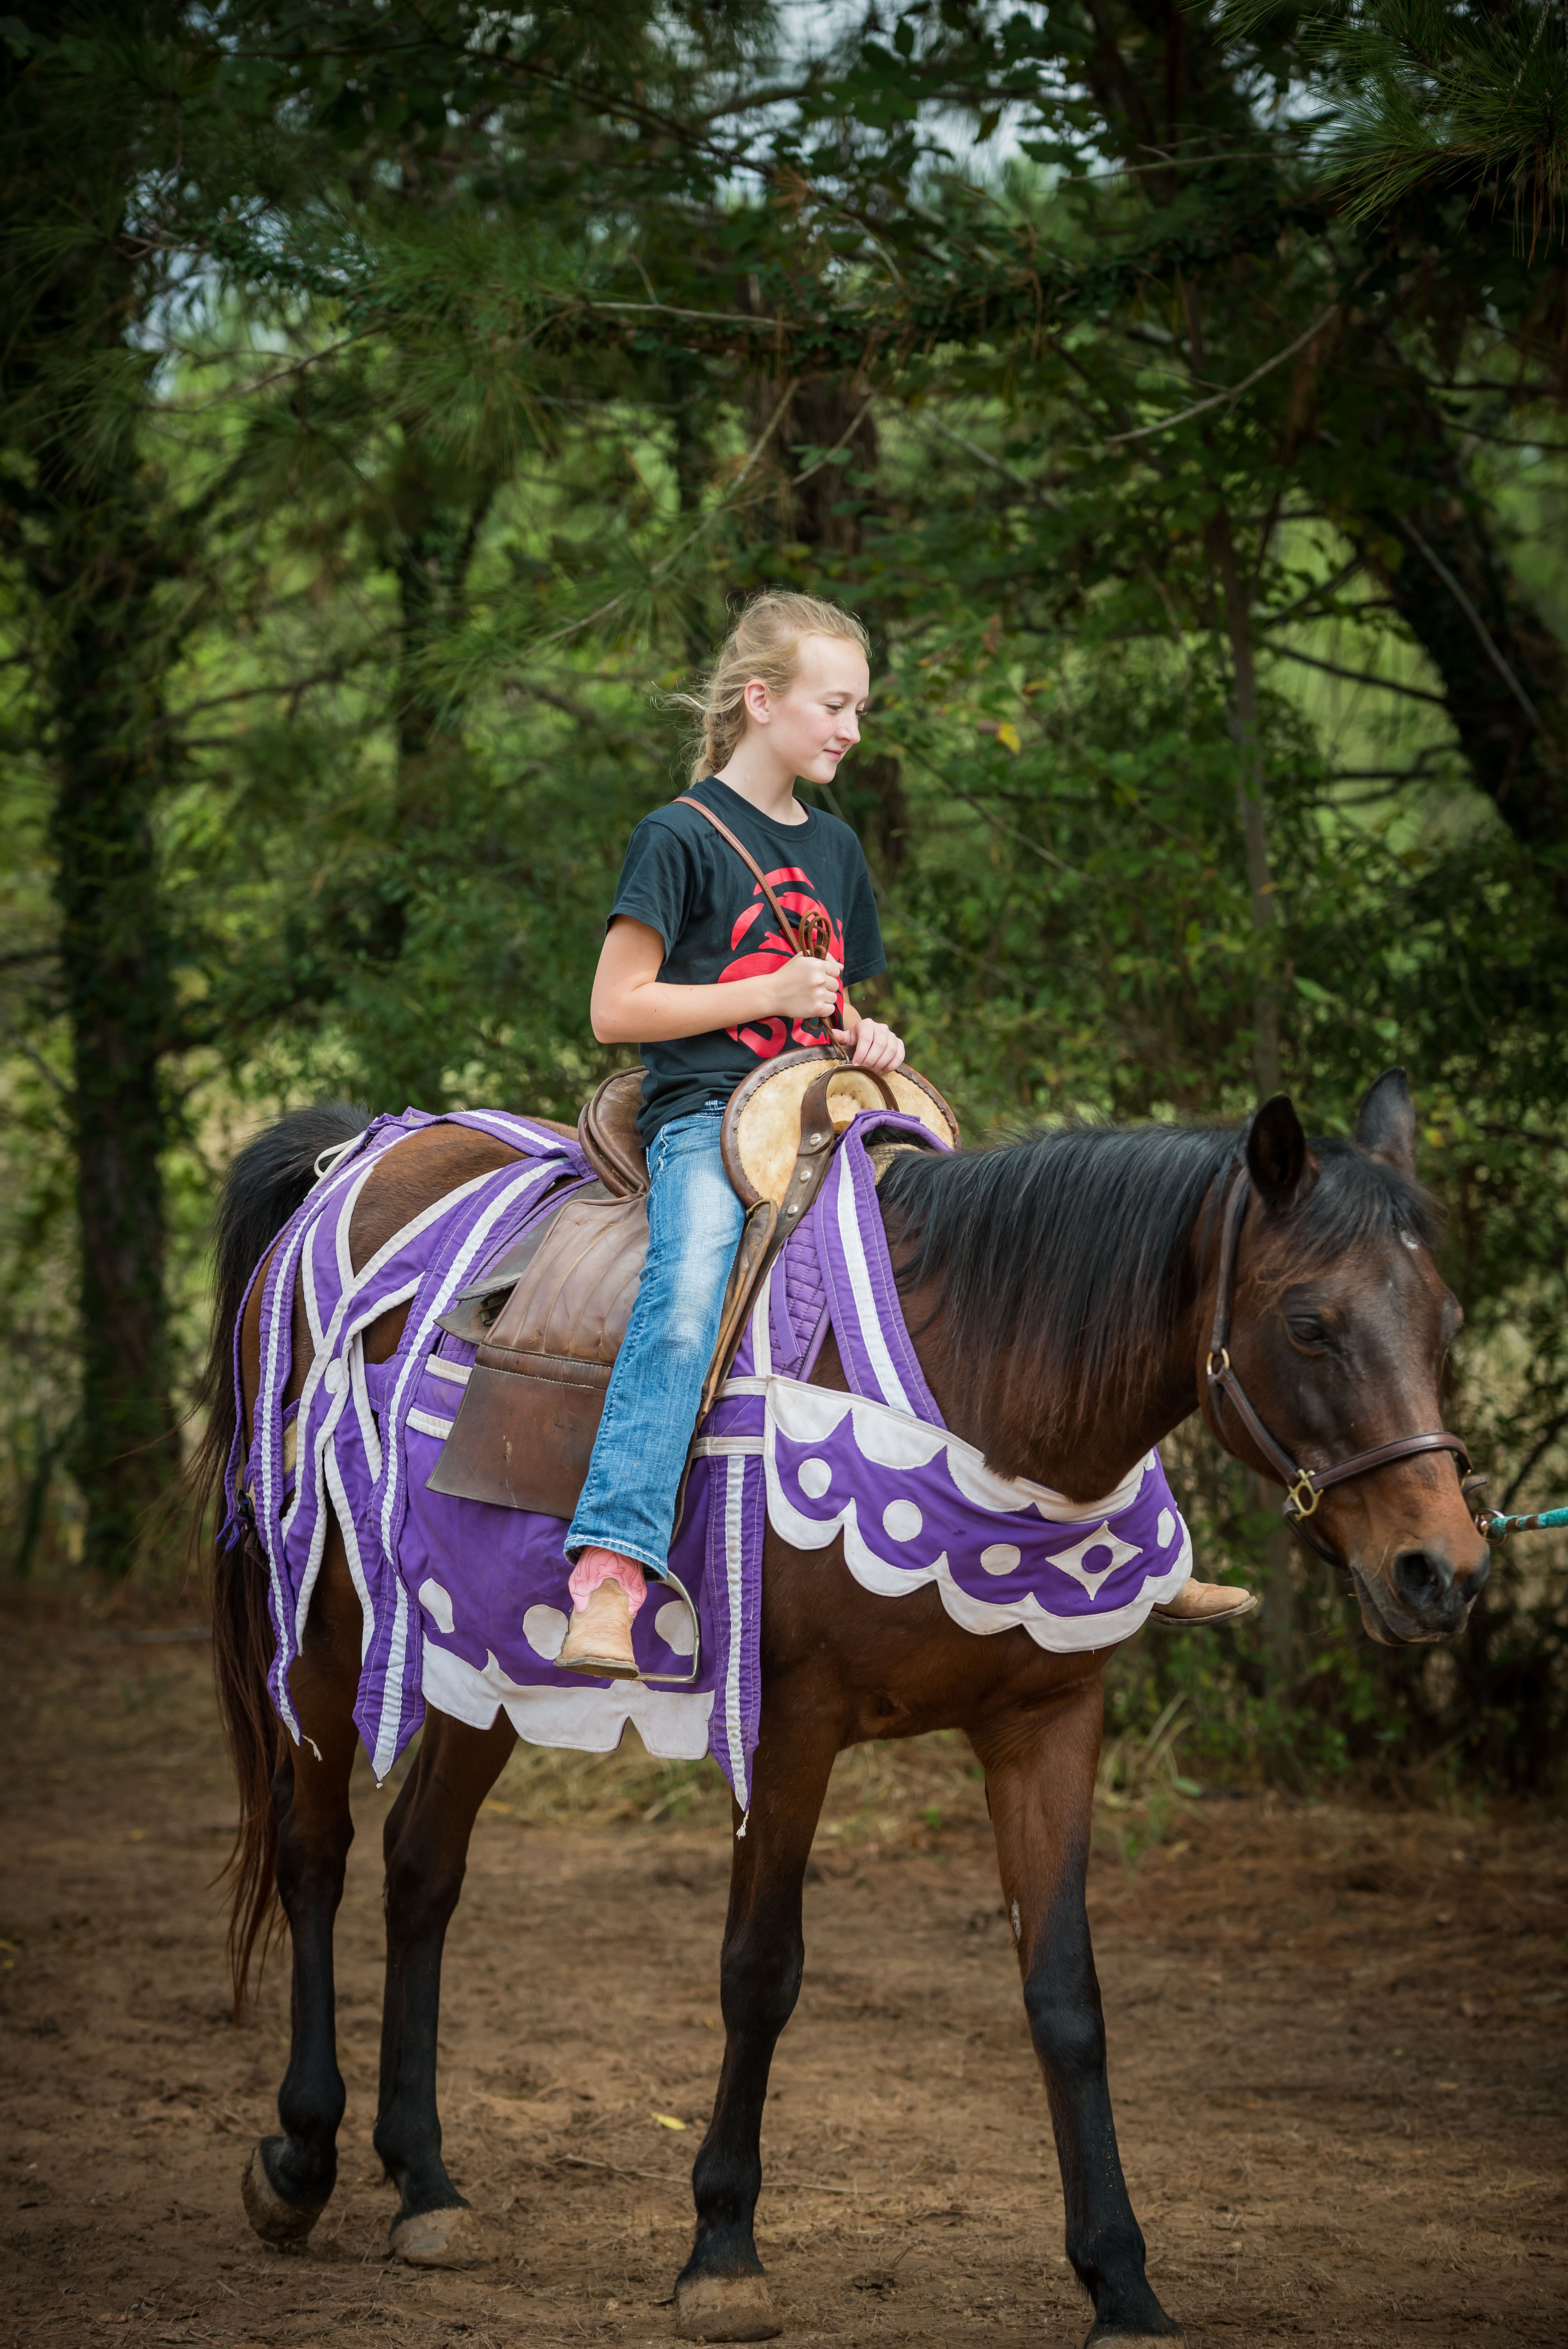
(426, 1842)
(290, 2177)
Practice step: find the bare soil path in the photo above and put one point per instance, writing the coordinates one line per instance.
(1336, 2041)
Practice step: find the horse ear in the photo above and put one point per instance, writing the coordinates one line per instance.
(1385, 1123)
(1276, 1153)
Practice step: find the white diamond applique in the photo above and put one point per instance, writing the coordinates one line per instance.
(1071, 1561)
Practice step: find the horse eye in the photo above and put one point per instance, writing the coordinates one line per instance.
(1307, 1329)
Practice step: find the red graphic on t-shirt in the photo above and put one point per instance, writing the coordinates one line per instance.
(766, 950)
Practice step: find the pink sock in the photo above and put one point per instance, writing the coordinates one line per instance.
(597, 1566)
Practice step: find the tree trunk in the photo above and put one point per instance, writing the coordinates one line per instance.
(96, 545)
(437, 515)
(1250, 806)
(1504, 671)
(1158, 73)
(106, 567)
(1279, 1546)
(826, 512)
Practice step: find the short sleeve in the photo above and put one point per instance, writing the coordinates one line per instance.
(657, 881)
(864, 952)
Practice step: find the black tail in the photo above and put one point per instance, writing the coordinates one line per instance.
(266, 1182)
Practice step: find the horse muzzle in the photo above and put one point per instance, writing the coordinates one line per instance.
(1423, 1594)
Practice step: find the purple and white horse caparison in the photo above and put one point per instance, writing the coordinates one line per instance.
(1059, 1293)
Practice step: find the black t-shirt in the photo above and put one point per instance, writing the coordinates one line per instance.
(683, 881)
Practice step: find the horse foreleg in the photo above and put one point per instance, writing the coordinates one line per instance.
(290, 2177)
(1039, 1777)
(426, 1846)
(721, 2294)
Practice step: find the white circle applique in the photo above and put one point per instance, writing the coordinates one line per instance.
(673, 1624)
(814, 1478)
(1001, 1557)
(902, 1520)
(544, 1629)
(1165, 1529)
(437, 1602)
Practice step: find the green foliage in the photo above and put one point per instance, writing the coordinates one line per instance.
(473, 369)
(1432, 97)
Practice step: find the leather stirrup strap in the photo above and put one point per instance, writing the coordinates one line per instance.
(787, 927)
(769, 1223)
(818, 1137)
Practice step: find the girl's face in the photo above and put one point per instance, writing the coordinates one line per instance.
(809, 726)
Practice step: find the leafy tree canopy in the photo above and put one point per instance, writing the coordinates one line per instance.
(395, 401)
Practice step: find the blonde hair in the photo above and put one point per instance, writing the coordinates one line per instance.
(764, 643)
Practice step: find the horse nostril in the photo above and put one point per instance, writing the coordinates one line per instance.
(1477, 1578)
(1424, 1580)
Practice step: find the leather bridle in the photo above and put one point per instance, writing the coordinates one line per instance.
(1305, 1487)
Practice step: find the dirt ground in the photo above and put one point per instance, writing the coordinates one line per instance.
(1336, 2049)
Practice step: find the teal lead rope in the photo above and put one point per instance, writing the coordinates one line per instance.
(1495, 1527)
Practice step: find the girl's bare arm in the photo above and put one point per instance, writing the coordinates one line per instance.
(631, 1005)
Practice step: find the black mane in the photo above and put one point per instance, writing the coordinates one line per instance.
(1066, 1250)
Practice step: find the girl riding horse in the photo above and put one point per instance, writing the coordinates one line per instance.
(695, 974)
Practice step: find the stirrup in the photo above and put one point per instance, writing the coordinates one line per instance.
(680, 1679)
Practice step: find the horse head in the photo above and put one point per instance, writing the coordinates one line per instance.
(1331, 1350)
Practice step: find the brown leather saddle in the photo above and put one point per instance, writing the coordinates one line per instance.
(548, 1318)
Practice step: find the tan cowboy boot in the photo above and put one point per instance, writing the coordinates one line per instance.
(599, 1637)
(1207, 1602)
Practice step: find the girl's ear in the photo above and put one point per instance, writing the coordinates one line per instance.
(759, 702)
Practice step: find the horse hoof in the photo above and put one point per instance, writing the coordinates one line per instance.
(282, 2224)
(725, 2308)
(442, 2239)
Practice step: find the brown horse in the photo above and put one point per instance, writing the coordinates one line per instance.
(1062, 1291)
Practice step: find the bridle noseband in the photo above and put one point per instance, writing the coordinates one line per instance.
(1305, 1487)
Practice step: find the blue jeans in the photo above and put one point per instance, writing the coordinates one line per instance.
(695, 1223)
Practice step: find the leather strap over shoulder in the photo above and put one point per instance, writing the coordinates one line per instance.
(787, 928)
(747, 858)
